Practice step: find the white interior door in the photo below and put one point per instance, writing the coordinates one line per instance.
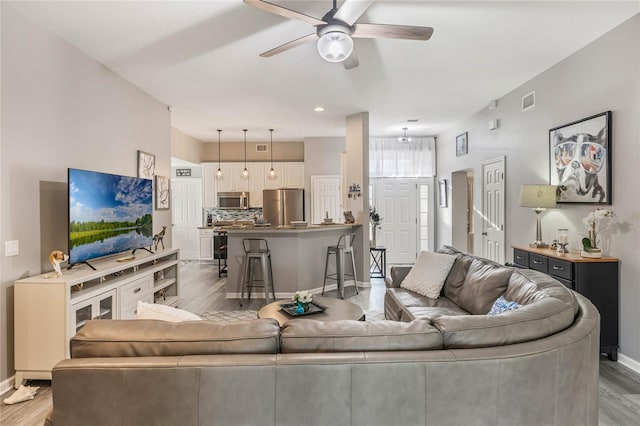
(325, 198)
(493, 206)
(396, 204)
(186, 197)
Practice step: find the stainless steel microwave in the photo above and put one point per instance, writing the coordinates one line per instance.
(233, 200)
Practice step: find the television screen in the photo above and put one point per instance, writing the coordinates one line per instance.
(108, 214)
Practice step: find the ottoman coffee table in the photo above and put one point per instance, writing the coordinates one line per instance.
(337, 309)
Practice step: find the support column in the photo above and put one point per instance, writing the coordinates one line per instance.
(357, 172)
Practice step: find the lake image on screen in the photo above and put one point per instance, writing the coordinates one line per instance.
(108, 214)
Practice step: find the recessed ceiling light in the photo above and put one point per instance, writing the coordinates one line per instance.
(319, 108)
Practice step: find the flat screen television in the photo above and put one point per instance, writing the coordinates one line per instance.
(108, 214)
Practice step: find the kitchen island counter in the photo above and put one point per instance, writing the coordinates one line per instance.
(297, 256)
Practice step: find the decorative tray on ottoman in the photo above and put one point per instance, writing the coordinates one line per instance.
(314, 308)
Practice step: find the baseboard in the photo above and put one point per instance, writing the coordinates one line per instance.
(629, 362)
(289, 295)
(7, 385)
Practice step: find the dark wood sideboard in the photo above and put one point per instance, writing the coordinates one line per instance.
(596, 279)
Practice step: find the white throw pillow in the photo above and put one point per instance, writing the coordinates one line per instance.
(158, 311)
(427, 276)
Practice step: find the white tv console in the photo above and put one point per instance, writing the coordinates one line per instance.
(49, 311)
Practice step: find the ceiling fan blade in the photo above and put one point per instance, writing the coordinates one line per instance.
(405, 32)
(290, 45)
(283, 11)
(351, 61)
(351, 10)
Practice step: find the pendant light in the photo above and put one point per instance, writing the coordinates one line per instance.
(219, 175)
(245, 172)
(272, 175)
(404, 138)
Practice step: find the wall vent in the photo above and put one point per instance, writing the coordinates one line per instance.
(529, 101)
(262, 147)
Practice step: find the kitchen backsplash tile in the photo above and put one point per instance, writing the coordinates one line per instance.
(218, 214)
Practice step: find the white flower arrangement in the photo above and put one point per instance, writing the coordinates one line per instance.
(302, 296)
(592, 225)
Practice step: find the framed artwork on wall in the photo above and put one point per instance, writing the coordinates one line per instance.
(442, 192)
(462, 144)
(163, 195)
(580, 160)
(146, 165)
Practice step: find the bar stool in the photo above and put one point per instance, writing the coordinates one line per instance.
(344, 246)
(256, 250)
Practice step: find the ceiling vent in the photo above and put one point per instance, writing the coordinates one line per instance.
(529, 101)
(262, 147)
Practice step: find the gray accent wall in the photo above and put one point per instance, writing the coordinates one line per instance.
(604, 75)
(61, 109)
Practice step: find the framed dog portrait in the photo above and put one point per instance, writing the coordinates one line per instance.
(580, 160)
(163, 195)
(462, 144)
(146, 165)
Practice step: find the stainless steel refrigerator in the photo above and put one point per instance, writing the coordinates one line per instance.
(281, 206)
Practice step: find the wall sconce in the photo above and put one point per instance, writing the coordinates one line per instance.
(354, 191)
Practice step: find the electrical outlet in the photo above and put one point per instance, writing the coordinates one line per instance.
(11, 248)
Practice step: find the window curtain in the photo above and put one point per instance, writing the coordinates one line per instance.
(390, 158)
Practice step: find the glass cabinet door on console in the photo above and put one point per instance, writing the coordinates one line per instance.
(98, 307)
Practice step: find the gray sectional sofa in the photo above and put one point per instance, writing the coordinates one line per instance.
(439, 365)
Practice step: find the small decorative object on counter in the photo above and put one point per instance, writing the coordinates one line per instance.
(563, 240)
(348, 217)
(304, 298)
(158, 239)
(56, 257)
(590, 244)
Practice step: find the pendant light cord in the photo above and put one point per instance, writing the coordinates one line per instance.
(271, 148)
(245, 148)
(219, 132)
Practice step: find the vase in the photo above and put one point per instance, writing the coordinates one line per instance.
(372, 241)
(592, 237)
(305, 306)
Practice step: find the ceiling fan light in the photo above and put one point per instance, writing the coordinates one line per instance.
(335, 46)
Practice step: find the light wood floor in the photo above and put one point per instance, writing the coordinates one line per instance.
(203, 291)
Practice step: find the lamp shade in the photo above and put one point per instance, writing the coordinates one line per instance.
(335, 46)
(538, 196)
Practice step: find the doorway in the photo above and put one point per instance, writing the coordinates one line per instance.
(462, 210)
(186, 199)
(405, 206)
(325, 198)
(493, 207)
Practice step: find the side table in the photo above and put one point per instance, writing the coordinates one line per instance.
(378, 262)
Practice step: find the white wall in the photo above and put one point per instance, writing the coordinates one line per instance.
(322, 157)
(604, 75)
(61, 109)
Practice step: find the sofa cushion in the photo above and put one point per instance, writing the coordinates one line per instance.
(429, 312)
(527, 286)
(484, 283)
(357, 336)
(530, 322)
(428, 274)
(502, 305)
(162, 312)
(131, 338)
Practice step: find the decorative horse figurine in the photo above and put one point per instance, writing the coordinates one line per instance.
(158, 239)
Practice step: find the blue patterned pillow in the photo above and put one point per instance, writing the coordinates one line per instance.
(503, 305)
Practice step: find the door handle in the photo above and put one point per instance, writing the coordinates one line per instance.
(484, 233)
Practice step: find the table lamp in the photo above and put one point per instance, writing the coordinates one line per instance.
(539, 198)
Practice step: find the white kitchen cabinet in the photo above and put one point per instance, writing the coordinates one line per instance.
(209, 186)
(294, 175)
(256, 183)
(49, 311)
(206, 245)
(239, 185)
(227, 184)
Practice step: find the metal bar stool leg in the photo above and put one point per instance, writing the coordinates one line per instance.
(340, 270)
(326, 266)
(266, 277)
(273, 287)
(355, 275)
(245, 276)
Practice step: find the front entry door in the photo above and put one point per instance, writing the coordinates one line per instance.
(396, 205)
(186, 199)
(493, 206)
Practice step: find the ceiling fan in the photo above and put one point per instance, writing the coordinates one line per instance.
(334, 32)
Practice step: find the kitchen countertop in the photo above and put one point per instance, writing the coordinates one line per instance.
(284, 229)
